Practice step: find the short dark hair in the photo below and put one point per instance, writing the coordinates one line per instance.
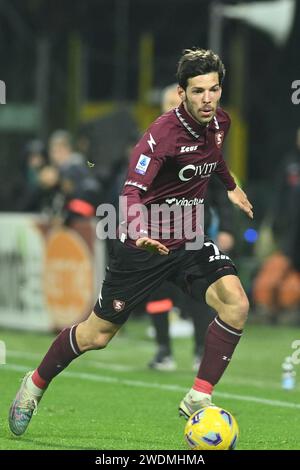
(197, 61)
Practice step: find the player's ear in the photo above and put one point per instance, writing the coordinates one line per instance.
(181, 93)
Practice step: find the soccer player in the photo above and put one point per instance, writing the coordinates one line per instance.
(159, 305)
(173, 161)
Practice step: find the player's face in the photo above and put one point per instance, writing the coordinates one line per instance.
(202, 96)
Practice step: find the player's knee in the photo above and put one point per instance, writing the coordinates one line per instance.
(236, 313)
(99, 341)
(88, 340)
(242, 308)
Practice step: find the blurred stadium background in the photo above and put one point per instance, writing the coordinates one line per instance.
(97, 70)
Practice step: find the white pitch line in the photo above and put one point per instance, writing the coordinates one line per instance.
(238, 380)
(232, 380)
(264, 401)
(96, 364)
(165, 387)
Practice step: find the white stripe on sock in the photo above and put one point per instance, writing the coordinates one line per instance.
(227, 329)
(71, 341)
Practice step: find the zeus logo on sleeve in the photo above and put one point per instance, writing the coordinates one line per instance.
(142, 164)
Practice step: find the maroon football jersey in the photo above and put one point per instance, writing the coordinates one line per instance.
(171, 165)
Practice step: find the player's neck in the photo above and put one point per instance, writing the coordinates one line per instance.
(202, 124)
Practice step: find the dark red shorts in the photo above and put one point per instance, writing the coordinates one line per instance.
(132, 274)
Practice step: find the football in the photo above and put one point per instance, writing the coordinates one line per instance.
(211, 428)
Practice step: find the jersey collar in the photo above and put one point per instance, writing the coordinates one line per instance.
(192, 126)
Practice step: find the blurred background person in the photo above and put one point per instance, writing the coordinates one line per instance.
(27, 189)
(276, 289)
(61, 186)
(80, 189)
(285, 208)
(61, 151)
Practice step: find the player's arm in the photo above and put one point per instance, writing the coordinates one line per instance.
(133, 197)
(235, 193)
(146, 160)
(215, 197)
(239, 198)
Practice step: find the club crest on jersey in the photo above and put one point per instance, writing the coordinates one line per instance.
(219, 137)
(142, 164)
(118, 305)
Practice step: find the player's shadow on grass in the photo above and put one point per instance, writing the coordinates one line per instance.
(45, 445)
(142, 444)
(38, 444)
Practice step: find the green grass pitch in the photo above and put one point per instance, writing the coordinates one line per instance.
(110, 399)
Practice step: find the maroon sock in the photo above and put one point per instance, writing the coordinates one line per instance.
(220, 342)
(61, 352)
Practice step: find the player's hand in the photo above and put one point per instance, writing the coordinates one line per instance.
(239, 198)
(154, 246)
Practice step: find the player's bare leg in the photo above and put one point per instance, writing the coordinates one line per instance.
(93, 333)
(228, 298)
